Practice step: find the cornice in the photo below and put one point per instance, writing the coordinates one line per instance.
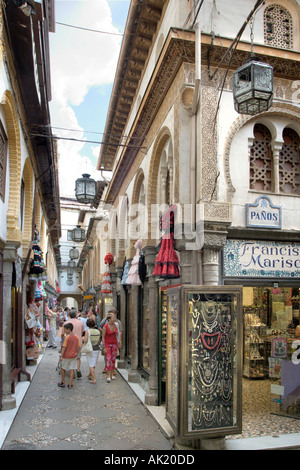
(179, 47)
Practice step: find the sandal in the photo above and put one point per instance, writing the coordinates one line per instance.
(70, 387)
(61, 384)
(107, 380)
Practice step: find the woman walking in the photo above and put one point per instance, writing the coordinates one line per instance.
(110, 340)
(92, 357)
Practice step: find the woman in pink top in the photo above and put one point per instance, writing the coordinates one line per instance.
(110, 340)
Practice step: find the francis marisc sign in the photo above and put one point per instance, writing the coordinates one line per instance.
(248, 258)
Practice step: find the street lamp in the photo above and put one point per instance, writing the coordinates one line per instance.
(78, 234)
(85, 189)
(74, 253)
(253, 87)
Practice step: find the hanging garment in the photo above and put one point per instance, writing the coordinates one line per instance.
(133, 275)
(125, 274)
(106, 287)
(167, 262)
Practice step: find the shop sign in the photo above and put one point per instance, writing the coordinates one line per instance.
(263, 214)
(88, 297)
(248, 258)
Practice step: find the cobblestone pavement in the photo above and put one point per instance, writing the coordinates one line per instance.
(102, 416)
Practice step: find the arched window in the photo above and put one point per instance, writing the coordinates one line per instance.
(289, 163)
(261, 159)
(278, 27)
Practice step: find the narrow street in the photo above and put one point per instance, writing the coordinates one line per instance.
(102, 416)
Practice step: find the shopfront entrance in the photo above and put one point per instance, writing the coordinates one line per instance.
(271, 333)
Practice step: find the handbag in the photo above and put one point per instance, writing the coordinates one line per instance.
(87, 347)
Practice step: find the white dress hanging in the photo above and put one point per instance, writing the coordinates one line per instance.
(133, 275)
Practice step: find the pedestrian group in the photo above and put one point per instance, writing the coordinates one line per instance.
(74, 333)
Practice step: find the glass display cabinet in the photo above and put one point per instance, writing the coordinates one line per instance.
(204, 360)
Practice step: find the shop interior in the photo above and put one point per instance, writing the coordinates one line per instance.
(271, 369)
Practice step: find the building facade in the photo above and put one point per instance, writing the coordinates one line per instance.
(175, 145)
(29, 204)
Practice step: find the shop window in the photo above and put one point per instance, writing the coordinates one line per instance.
(289, 163)
(278, 27)
(261, 159)
(3, 160)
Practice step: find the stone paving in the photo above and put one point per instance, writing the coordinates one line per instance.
(102, 416)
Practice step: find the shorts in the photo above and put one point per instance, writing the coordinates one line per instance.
(69, 364)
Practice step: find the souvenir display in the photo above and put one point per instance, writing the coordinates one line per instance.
(37, 270)
(166, 262)
(33, 331)
(125, 274)
(133, 275)
(106, 287)
(212, 353)
(254, 345)
(204, 357)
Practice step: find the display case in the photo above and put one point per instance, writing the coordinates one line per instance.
(204, 361)
(255, 366)
(162, 349)
(173, 327)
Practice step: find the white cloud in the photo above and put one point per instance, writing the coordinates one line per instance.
(79, 60)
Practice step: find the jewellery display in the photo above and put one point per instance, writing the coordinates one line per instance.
(254, 349)
(172, 357)
(212, 351)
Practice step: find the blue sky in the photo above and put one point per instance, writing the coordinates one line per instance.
(83, 66)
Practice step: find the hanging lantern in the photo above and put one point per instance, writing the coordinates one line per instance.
(78, 234)
(74, 253)
(71, 264)
(85, 189)
(253, 87)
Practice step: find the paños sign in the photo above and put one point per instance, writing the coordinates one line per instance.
(263, 214)
(247, 258)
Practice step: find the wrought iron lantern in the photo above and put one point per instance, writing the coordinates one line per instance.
(71, 264)
(253, 87)
(78, 234)
(85, 189)
(74, 253)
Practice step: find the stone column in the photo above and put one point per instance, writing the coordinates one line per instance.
(133, 375)
(121, 361)
(214, 241)
(9, 257)
(211, 266)
(151, 397)
(276, 148)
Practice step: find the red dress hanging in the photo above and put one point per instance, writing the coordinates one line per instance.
(166, 262)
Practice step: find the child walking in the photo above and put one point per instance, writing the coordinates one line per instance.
(69, 353)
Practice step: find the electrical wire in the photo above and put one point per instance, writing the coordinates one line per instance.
(92, 30)
(87, 141)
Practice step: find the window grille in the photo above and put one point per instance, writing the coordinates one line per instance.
(278, 27)
(289, 163)
(261, 159)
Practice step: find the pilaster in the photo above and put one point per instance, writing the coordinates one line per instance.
(9, 257)
(151, 397)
